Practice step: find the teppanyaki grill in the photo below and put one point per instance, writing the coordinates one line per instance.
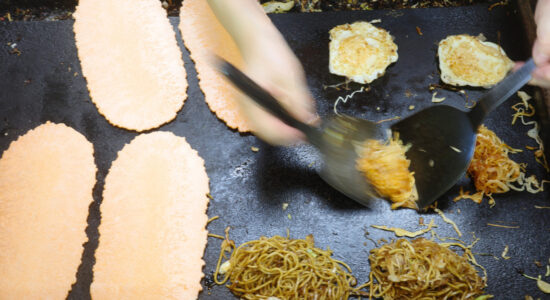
(249, 188)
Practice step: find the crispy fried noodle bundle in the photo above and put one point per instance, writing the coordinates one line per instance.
(491, 169)
(387, 169)
(494, 172)
(284, 268)
(421, 269)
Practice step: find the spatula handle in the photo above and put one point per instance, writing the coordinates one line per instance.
(502, 91)
(265, 99)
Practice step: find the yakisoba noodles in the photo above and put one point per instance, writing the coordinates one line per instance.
(283, 268)
(491, 169)
(387, 169)
(421, 269)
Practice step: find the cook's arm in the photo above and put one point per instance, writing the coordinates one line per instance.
(541, 48)
(244, 20)
(271, 63)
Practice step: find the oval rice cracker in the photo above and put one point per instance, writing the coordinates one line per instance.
(203, 35)
(46, 180)
(153, 219)
(131, 61)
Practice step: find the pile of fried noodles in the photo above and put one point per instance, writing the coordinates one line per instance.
(421, 269)
(283, 268)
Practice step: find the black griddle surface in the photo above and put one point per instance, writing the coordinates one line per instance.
(45, 83)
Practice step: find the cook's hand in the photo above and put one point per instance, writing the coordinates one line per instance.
(273, 66)
(541, 48)
(270, 63)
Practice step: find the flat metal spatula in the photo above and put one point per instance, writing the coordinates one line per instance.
(442, 138)
(335, 138)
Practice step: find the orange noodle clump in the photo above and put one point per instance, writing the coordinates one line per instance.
(491, 169)
(387, 169)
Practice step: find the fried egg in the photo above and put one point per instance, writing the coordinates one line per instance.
(360, 51)
(469, 60)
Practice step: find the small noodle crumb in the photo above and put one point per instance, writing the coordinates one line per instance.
(285, 206)
(505, 252)
(455, 149)
(503, 226)
(524, 109)
(388, 119)
(386, 167)
(447, 220)
(216, 236)
(541, 284)
(213, 218)
(437, 99)
(402, 232)
(497, 4)
(345, 98)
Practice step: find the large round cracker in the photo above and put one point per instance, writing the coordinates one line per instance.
(361, 51)
(131, 61)
(466, 60)
(153, 219)
(46, 182)
(203, 35)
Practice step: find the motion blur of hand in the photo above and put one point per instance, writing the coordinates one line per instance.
(271, 64)
(274, 66)
(541, 48)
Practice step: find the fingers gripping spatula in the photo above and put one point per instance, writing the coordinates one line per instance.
(335, 138)
(442, 138)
